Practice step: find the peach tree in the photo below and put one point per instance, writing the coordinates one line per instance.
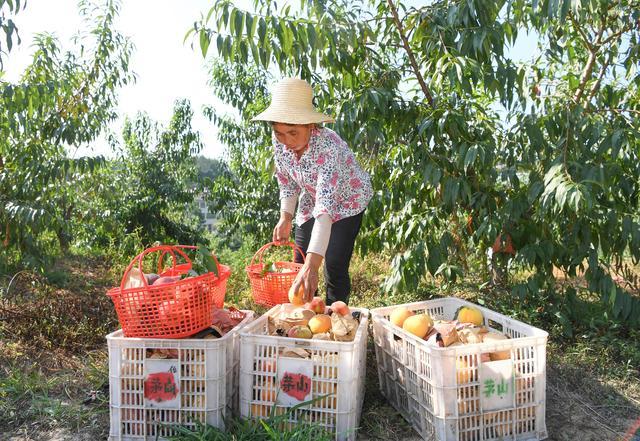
(62, 100)
(469, 146)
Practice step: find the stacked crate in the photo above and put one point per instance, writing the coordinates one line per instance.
(156, 384)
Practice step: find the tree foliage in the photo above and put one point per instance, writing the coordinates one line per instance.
(61, 101)
(148, 190)
(245, 196)
(8, 8)
(465, 143)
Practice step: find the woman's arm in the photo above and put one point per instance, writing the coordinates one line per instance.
(316, 251)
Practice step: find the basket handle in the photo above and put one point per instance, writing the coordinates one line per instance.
(264, 248)
(184, 267)
(176, 269)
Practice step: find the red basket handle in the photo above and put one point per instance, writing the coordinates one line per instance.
(176, 269)
(261, 251)
(184, 267)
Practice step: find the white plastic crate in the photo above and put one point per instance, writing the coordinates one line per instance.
(205, 374)
(336, 368)
(438, 390)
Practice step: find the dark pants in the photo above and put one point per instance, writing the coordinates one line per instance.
(338, 255)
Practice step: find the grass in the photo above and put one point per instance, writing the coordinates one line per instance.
(41, 400)
(273, 428)
(54, 365)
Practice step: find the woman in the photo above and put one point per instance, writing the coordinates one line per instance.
(316, 169)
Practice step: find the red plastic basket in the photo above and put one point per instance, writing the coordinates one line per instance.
(272, 288)
(172, 310)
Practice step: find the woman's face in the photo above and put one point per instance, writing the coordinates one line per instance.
(294, 137)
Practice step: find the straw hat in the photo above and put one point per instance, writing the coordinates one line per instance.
(291, 103)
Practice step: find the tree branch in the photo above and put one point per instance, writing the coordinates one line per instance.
(586, 74)
(580, 31)
(588, 69)
(617, 34)
(407, 48)
(603, 70)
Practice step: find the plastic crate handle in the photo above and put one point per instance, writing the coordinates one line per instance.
(259, 254)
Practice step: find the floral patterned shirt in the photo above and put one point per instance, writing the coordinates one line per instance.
(327, 178)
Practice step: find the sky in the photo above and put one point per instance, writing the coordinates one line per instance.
(166, 69)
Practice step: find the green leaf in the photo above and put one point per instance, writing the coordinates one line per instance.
(262, 30)
(219, 43)
(188, 34)
(311, 34)
(208, 260)
(470, 157)
(204, 42)
(249, 24)
(564, 11)
(239, 20)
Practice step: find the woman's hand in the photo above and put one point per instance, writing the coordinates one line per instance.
(308, 276)
(282, 231)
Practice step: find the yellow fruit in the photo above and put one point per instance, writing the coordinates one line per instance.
(494, 337)
(399, 315)
(316, 305)
(463, 373)
(296, 298)
(468, 314)
(320, 323)
(468, 400)
(260, 410)
(321, 388)
(269, 392)
(300, 331)
(498, 424)
(418, 325)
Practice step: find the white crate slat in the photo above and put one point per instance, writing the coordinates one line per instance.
(438, 390)
(208, 370)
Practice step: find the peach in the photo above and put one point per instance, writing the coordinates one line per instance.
(418, 325)
(340, 308)
(320, 323)
(260, 411)
(316, 305)
(300, 331)
(165, 280)
(266, 366)
(399, 315)
(468, 314)
(295, 298)
(269, 392)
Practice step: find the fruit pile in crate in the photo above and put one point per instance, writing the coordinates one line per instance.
(306, 363)
(460, 372)
(175, 362)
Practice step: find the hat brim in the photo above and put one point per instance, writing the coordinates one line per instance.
(294, 117)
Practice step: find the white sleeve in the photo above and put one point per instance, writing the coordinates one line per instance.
(320, 235)
(288, 204)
